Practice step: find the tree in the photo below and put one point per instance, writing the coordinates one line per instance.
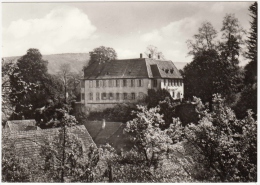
(102, 54)
(154, 52)
(204, 40)
(223, 147)
(26, 82)
(7, 109)
(64, 74)
(157, 155)
(231, 26)
(248, 99)
(251, 54)
(65, 157)
(233, 39)
(155, 96)
(74, 86)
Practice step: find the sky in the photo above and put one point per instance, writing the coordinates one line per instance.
(128, 27)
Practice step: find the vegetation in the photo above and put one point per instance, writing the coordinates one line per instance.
(248, 98)
(154, 52)
(201, 140)
(102, 54)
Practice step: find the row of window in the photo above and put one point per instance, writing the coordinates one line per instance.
(116, 83)
(130, 83)
(173, 82)
(112, 96)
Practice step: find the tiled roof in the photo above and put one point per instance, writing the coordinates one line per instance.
(113, 134)
(132, 68)
(28, 143)
(21, 125)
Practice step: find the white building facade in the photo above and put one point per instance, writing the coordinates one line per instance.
(127, 81)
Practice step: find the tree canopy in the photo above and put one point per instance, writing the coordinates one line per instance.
(102, 54)
(154, 52)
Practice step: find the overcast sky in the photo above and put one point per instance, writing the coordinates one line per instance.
(128, 27)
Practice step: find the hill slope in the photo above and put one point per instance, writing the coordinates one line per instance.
(76, 60)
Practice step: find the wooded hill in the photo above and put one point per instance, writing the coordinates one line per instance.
(76, 60)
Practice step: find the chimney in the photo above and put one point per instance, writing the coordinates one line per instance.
(158, 56)
(150, 56)
(103, 124)
(141, 55)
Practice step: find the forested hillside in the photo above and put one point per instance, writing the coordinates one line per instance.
(77, 61)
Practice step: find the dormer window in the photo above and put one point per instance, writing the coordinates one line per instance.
(166, 70)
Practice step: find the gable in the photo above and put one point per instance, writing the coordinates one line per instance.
(21, 125)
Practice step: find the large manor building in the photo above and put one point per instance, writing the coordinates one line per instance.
(121, 81)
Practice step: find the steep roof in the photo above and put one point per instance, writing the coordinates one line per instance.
(21, 125)
(113, 134)
(132, 68)
(28, 143)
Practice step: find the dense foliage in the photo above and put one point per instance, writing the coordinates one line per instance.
(222, 146)
(102, 54)
(248, 98)
(192, 141)
(214, 68)
(31, 85)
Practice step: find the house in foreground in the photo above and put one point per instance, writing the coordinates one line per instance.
(28, 143)
(128, 80)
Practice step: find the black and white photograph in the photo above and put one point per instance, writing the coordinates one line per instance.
(129, 92)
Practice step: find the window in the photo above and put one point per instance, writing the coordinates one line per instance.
(154, 83)
(125, 96)
(82, 84)
(173, 94)
(97, 83)
(175, 84)
(133, 96)
(117, 96)
(111, 96)
(90, 84)
(164, 82)
(117, 83)
(83, 96)
(124, 83)
(104, 83)
(110, 83)
(90, 96)
(97, 96)
(132, 82)
(104, 96)
(140, 82)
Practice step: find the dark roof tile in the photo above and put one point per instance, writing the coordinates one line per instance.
(132, 68)
(29, 143)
